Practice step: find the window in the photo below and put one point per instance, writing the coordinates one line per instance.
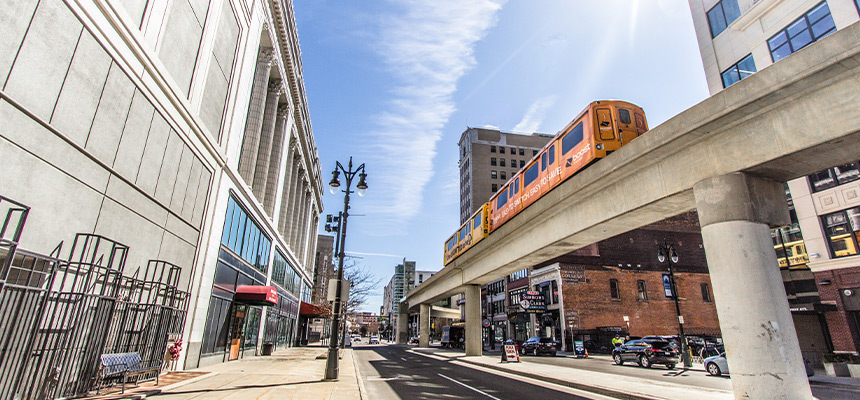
(841, 229)
(245, 237)
(744, 68)
(807, 29)
(571, 139)
(530, 175)
(722, 15)
(492, 149)
(640, 287)
(517, 276)
(534, 153)
(543, 162)
(523, 163)
(706, 293)
(522, 152)
(613, 289)
(513, 163)
(476, 223)
(554, 288)
(501, 162)
(451, 244)
(494, 175)
(463, 233)
(504, 175)
(517, 185)
(551, 154)
(624, 116)
(513, 150)
(516, 295)
(502, 199)
(493, 160)
(495, 188)
(835, 176)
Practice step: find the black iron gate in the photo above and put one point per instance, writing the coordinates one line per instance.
(57, 317)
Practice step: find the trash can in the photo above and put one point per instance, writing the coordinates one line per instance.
(267, 348)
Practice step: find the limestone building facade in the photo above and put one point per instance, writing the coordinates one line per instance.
(180, 129)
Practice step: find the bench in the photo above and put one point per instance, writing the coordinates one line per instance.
(123, 366)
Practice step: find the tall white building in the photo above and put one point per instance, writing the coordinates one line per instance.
(819, 254)
(179, 129)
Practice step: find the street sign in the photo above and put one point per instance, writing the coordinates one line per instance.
(626, 318)
(667, 286)
(332, 290)
(681, 319)
(486, 322)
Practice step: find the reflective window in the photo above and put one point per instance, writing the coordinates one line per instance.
(551, 154)
(744, 68)
(451, 244)
(640, 287)
(504, 175)
(613, 289)
(477, 221)
(841, 231)
(502, 199)
(463, 233)
(495, 188)
(513, 150)
(523, 163)
(543, 162)
(722, 15)
(501, 162)
(835, 176)
(492, 160)
(513, 163)
(245, 237)
(814, 25)
(624, 116)
(571, 139)
(534, 153)
(522, 152)
(492, 149)
(494, 174)
(517, 185)
(530, 175)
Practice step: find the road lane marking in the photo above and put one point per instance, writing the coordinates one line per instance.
(403, 358)
(469, 387)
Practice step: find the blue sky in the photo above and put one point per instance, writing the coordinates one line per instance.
(395, 83)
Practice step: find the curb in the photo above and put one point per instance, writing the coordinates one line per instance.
(362, 391)
(587, 388)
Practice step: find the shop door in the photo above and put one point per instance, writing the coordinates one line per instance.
(237, 327)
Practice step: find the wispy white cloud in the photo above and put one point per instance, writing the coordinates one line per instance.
(427, 45)
(534, 115)
(373, 254)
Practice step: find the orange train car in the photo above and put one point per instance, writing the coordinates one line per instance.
(469, 234)
(601, 128)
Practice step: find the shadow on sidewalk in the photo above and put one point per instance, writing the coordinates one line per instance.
(242, 387)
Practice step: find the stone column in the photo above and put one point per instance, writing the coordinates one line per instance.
(295, 199)
(424, 325)
(271, 178)
(283, 218)
(297, 212)
(254, 122)
(736, 212)
(474, 343)
(267, 132)
(402, 323)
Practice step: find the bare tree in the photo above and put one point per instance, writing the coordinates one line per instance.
(362, 284)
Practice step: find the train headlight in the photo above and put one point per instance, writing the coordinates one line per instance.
(599, 146)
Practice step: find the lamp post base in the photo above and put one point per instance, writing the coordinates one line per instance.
(331, 364)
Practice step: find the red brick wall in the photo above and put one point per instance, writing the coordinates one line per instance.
(844, 336)
(656, 316)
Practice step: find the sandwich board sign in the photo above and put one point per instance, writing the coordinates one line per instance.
(510, 354)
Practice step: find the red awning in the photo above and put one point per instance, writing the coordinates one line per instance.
(256, 295)
(313, 310)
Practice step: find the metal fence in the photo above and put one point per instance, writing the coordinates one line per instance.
(57, 317)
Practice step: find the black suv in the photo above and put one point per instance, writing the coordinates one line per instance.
(647, 352)
(539, 345)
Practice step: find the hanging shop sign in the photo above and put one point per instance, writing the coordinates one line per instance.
(533, 302)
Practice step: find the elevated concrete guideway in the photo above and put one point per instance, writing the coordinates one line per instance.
(728, 157)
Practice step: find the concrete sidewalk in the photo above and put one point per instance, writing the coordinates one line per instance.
(293, 373)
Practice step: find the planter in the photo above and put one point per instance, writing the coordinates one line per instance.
(853, 370)
(836, 369)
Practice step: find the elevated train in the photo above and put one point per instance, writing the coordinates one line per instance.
(601, 128)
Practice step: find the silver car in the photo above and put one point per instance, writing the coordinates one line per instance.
(717, 365)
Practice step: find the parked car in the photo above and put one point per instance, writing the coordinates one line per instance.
(356, 338)
(646, 352)
(374, 340)
(539, 345)
(718, 365)
(413, 340)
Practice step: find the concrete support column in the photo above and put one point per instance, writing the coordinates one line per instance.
(474, 342)
(424, 325)
(267, 133)
(402, 323)
(274, 168)
(736, 212)
(254, 122)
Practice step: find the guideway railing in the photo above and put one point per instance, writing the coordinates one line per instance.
(58, 316)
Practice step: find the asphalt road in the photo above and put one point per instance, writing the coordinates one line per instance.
(390, 372)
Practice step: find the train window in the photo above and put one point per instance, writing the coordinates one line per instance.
(543, 161)
(571, 139)
(451, 244)
(477, 222)
(517, 185)
(552, 154)
(464, 232)
(640, 122)
(502, 199)
(624, 115)
(530, 175)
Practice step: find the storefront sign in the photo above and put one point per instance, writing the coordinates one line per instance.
(533, 302)
(511, 354)
(573, 275)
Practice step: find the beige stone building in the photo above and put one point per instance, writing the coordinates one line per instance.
(818, 254)
(488, 158)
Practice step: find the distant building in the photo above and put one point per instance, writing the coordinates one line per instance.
(488, 158)
(421, 276)
(818, 253)
(401, 282)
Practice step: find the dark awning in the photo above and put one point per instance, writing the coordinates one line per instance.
(313, 310)
(256, 295)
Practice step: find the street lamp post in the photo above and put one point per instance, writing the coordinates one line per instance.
(667, 251)
(331, 366)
